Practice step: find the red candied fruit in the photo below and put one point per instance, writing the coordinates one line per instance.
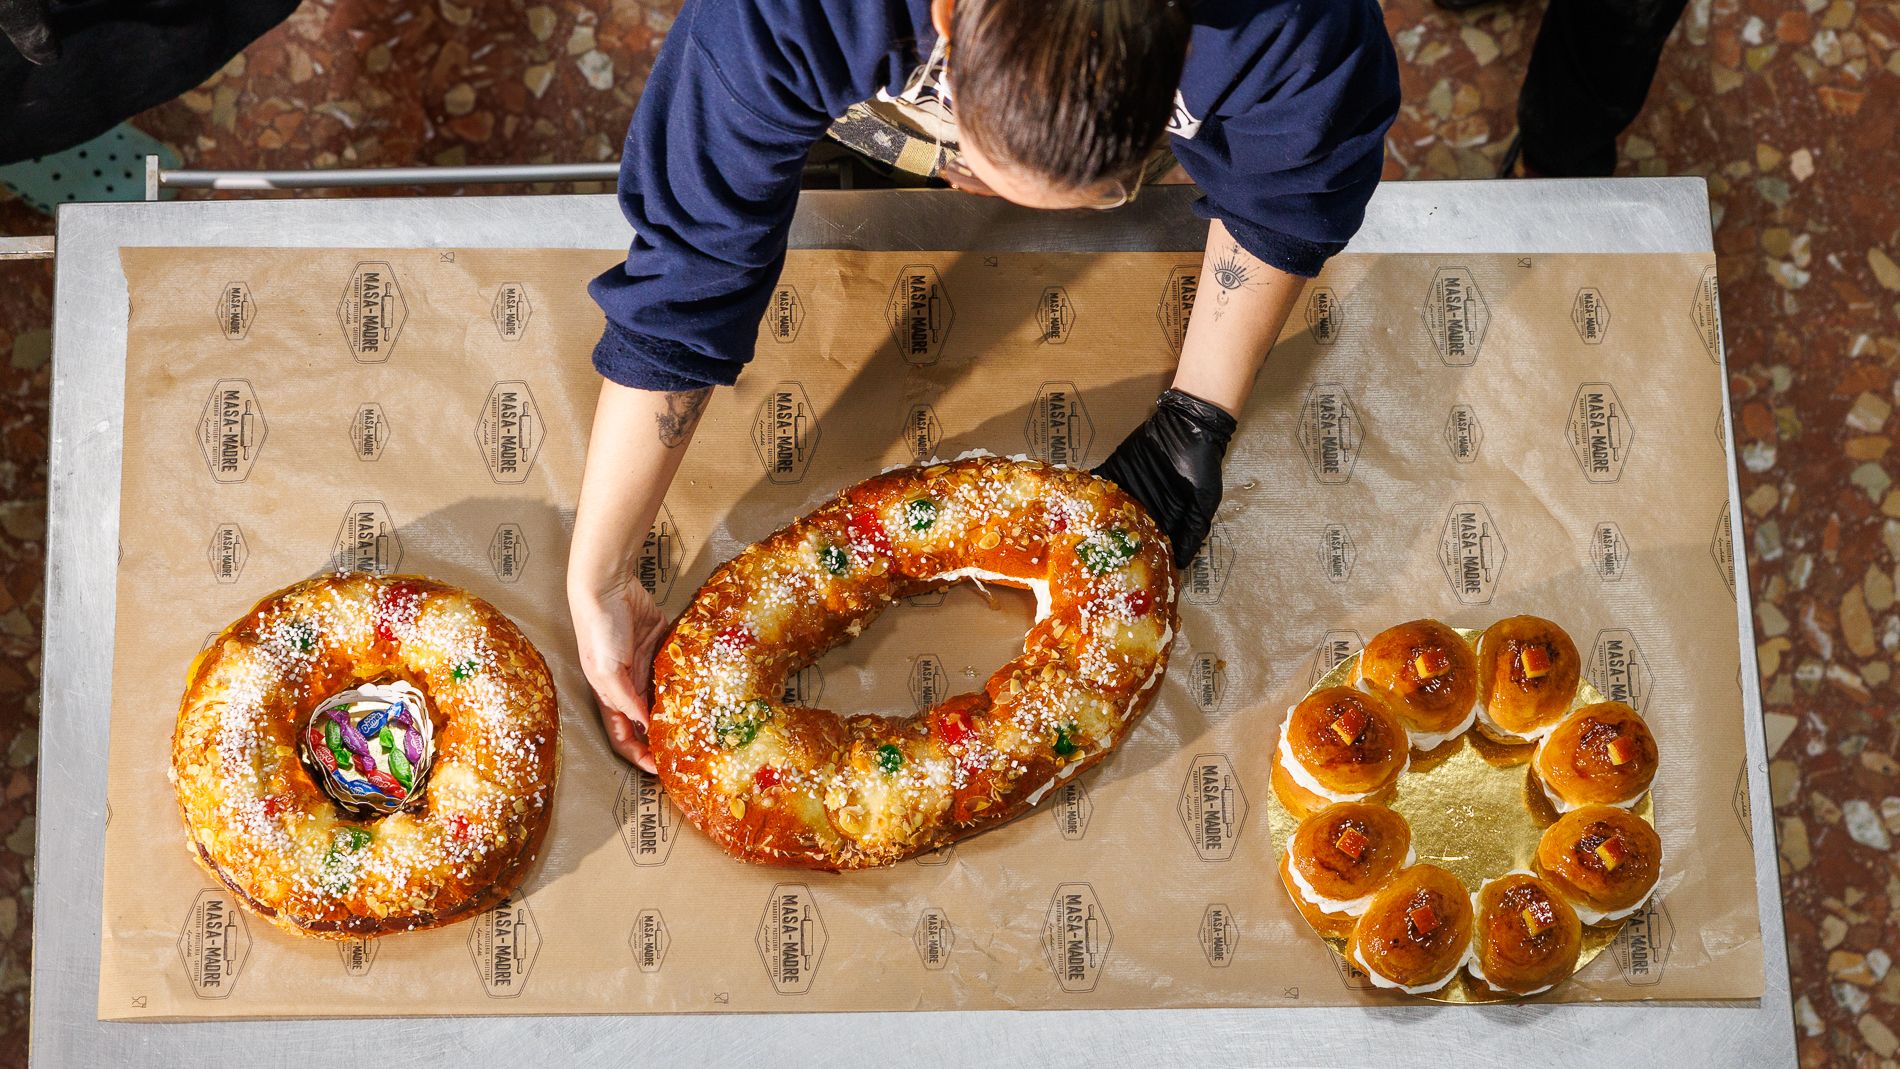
(865, 529)
(767, 777)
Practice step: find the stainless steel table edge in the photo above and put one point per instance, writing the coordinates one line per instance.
(1628, 215)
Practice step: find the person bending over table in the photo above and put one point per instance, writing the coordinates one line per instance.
(1277, 109)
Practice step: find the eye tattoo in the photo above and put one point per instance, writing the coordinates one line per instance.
(1230, 273)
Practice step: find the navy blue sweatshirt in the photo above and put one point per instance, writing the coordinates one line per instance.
(1286, 107)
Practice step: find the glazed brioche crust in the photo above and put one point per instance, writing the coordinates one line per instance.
(775, 783)
(1519, 703)
(1334, 874)
(1371, 762)
(1509, 955)
(260, 823)
(1575, 762)
(1388, 668)
(1565, 857)
(1386, 940)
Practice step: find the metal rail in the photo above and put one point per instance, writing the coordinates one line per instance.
(366, 177)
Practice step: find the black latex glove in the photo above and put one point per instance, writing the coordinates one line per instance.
(24, 23)
(1171, 464)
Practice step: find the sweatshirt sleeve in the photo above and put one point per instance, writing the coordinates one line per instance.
(1301, 145)
(709, 179)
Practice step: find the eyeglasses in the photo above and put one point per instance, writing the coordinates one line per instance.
(952, 169)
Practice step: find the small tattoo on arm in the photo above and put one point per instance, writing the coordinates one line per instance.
(1231, 272)
(681, 415)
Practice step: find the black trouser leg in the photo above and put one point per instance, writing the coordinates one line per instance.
(1590, 71)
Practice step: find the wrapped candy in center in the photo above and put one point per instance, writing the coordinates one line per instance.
(371, 746)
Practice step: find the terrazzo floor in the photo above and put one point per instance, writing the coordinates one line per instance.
(1789, 108)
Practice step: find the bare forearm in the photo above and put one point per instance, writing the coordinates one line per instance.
(1238, 314)
(638, 440)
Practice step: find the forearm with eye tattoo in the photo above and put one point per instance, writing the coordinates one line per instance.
(681, 415)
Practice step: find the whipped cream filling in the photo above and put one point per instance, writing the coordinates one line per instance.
(1473, 964)
(1484, 717)
(1410, 989)
(1038, 587)
(1421, 740)
(1593, 917)
(1302, 776)
(1562, 806)
(1352, 907)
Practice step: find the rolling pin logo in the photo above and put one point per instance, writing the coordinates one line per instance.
(1212, 807)
(508, 552)
(928, 683)
(1334, 650)
(1722, 548)
(1058, 429)
(1600, 432)
(358, 955)
(1463, 435)
(785, 433)
(235, 311)
(213, 944)
(920, 313)
(1619, 669)
(804, 687)
(228, 552)
(1609, 552)
(1472, 552)
(1076, 937)
(1177, 305)
(1072, 810)
(1642, 946)
(1744, 809)
(1456, 316)
(934, 939)
(1336, 553)
(1207, 573)
(922, 432)
(1590, 315)
(372, 312)
(369, 432)
(511, 311)
(231, 430)
(1330, 434)
(1706, 312)
(1055, 316)
(785, 315)
(1207, 681)
(1325, 315)
(367, 540)
(504, 943)
(1219, 935)
(509, 432)
(791, 938)
(649, 824)
(649, 940)
(659, 560)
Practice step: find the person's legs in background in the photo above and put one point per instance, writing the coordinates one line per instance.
(1589, 74)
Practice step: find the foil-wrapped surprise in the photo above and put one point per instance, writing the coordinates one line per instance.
(372, 746)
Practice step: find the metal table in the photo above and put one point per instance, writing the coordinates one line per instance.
(1637, 215)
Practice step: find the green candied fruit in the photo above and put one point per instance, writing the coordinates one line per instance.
(302, 635)
(338, 876)
(921, 514)
(462, 670)
(835, 559)
(738, 726)
(890, 759)
(1065, 746)
(1106, 551)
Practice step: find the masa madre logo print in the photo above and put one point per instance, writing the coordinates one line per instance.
(1177, 304)
(369, 432)
(1590, 314)
(785, 315)
(372, 312)
(1330, 433)
(1076, 937)
(649, 824)
(1055, 316)
(649, 940)
(511, 311)
(367, 540)
(1463, 434)
(509, 432)
(1058, 429)
(504, 943)
(791, 938)
(920, 314)
(1600, 432)
(1472, 552)
(235, 311)
(508, 552)
(228, 552)
(934, 938)
(1325, 315)
(231, 430)
(1456, 316)
(785, 432)
(1212, 807)
(1071, 807)
(213, 944)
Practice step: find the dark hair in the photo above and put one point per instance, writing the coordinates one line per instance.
(1078, 91)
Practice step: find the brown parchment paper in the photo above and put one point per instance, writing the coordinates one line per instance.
(1458, 436)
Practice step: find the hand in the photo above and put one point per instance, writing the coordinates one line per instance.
(1172, 465)
(618, 628)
